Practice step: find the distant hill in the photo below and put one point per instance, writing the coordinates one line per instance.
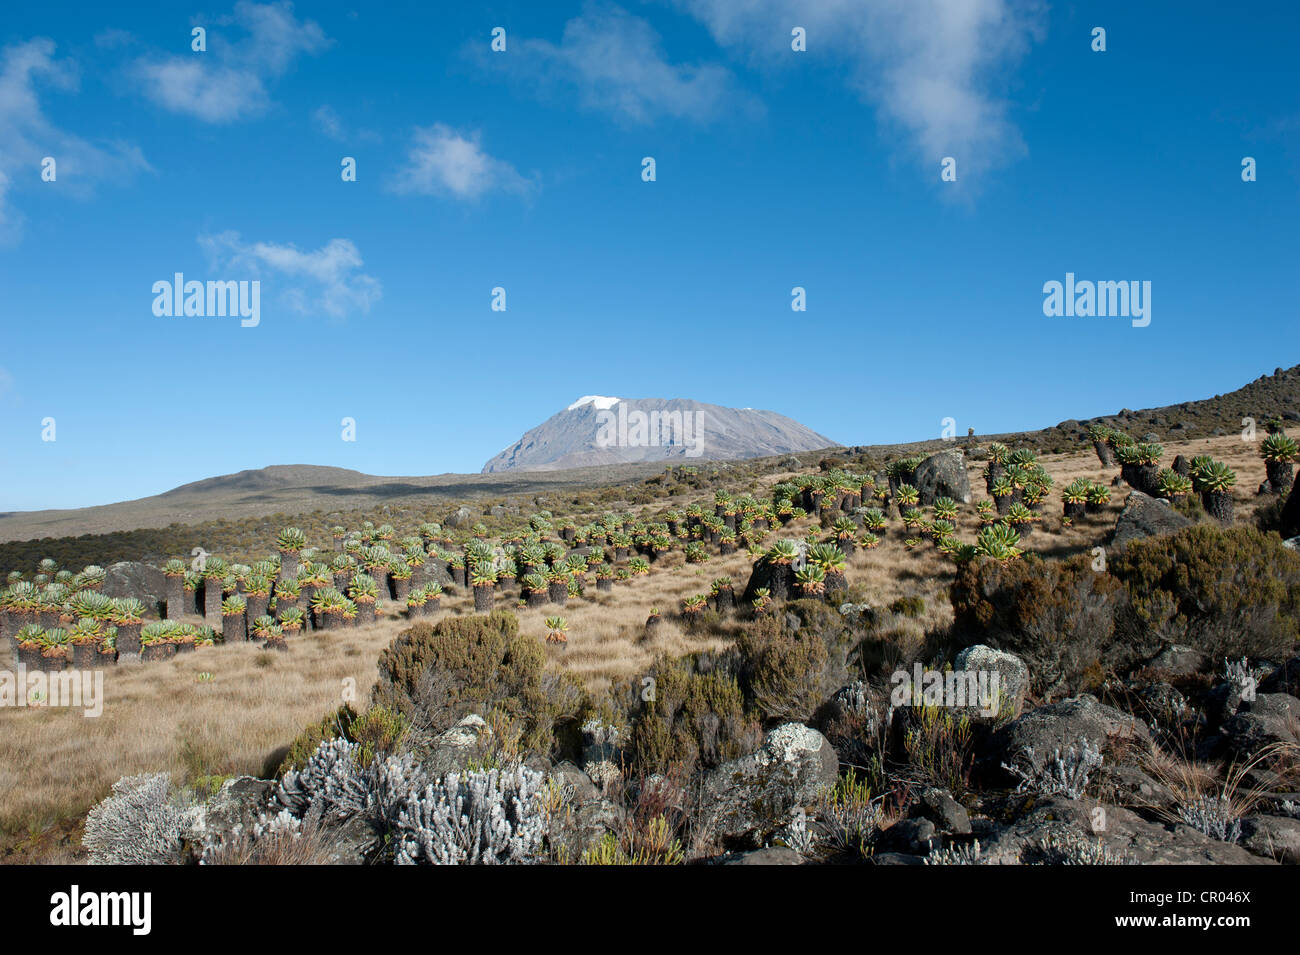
(276, 477)
(596, 430)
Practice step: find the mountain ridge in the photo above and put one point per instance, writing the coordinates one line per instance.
(597, 430)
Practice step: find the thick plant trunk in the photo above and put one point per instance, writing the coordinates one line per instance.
(1279, 476)
(175, 597)
(212, 602)
(1218, 504)
(128, 639)
(234, 629)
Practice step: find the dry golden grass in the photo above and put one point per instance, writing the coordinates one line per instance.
(54, 764)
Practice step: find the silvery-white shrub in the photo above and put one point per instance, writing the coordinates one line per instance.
(1213, 816)
(473, 818)
(1063, 775)
(139, 823)
(1074, 848)
(333, 785)
(957, 855)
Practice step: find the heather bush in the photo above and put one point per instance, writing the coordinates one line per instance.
(1228, 592)
(783, 670)
(378, 731)
(434, 674)
(1059, 617)
(696, 717)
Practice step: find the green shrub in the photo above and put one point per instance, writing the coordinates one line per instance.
(783, 671)
(1059, 617)
(695, 719)
(1228, 592)
(911, 606)
(434, 674)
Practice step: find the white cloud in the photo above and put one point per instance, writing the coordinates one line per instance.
(228, 81)
(27, 136)
(931, 67)
(328, 122)
(327, 281)
(616, 63)
(442, 161)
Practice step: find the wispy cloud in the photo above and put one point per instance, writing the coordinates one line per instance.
(330, 123)
(444, 162)
(616, 63)
(229, 81)
(932, 68)
(326, 281)
(27, 135)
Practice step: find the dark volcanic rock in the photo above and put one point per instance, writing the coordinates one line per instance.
(943, 475)
(144, 582)
(1145, 516)
(1141, 841)
(776, 855)
(1291, 512)
(1061, 725)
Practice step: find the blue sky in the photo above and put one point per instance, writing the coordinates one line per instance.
(522, 170)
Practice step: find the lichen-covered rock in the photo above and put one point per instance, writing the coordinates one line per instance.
(750, 798)
(943, 475)
(590, 814)
(453, 749)
(1044, 730)
(1013, 675)
(1178, 660)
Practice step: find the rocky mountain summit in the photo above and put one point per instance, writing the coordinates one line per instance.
(598, 430)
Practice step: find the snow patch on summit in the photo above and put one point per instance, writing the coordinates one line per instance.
(600, 401)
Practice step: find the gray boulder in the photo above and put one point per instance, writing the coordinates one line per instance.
(947, 814)
(774, 855)
(461, 517)
(1178, 660)
(1059, 726)
(943, 475)
(1268, 718)
(144, 582)
(1123, 832)
(451, 750)
(590, 815)
(1013, 675)
(1146, 516)
(751, 798)
(915, 837)
(1273, 837)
